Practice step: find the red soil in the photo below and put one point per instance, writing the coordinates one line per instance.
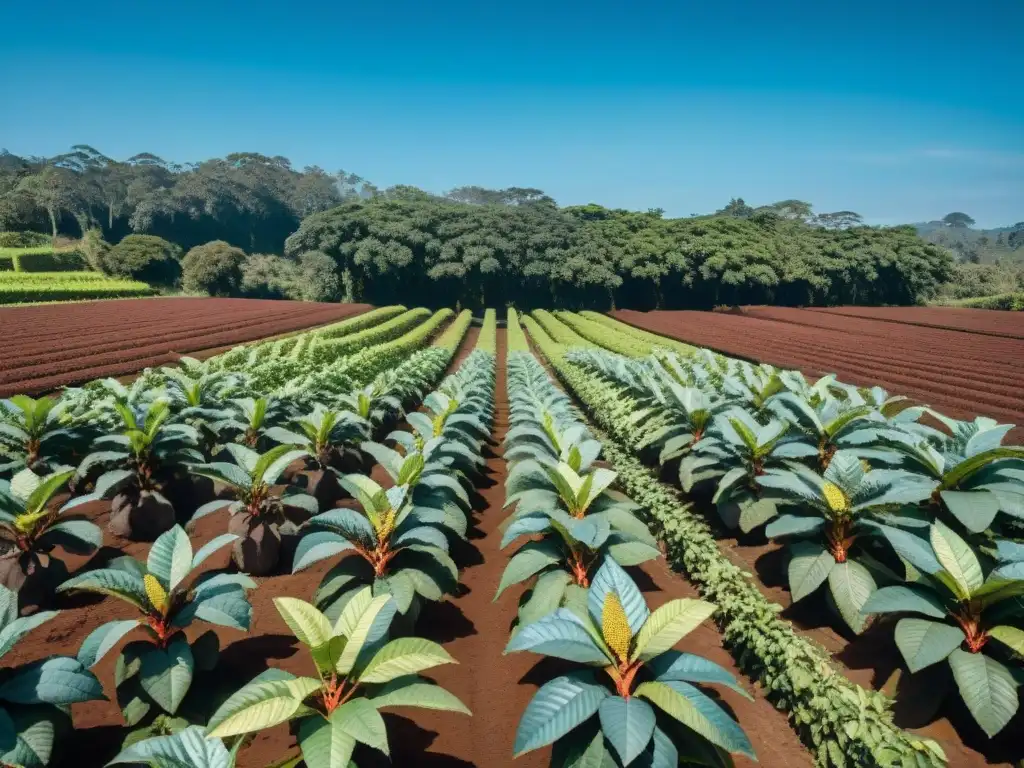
(470, 626)
(62, 344)
(987, 321)
(959, 373)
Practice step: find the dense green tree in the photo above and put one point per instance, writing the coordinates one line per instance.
(319, 278)
(266, 276)
(957, 220)
(145, 257)
(214, 268)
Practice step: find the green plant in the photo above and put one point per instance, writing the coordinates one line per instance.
(214, 268)
(402, 549)
(35, 697)
(156, 674)
(834, 513)
(614, 631)
(358, 673)
(31, 530)
(147, 258)
(966, 610)
(35, 434)
(257, 512)
(327, 436)
(736, 451)
(188, 748)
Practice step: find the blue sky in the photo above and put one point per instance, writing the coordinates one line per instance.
(901, 110)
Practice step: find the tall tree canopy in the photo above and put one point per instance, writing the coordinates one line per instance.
(472, 245)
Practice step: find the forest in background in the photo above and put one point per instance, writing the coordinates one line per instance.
(281, 231)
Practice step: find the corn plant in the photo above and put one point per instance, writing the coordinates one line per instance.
(401, 549)
(257, 512)
(31, 529)
(614, 631)
(975, 621)
(35, 697)
(736, 451)
(155, 674)
(35, 434)
(359, 673)
(833, 515)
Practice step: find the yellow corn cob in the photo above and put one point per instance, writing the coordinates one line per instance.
(387, 525)
(835, 497)
(155, 592)
(615, 626)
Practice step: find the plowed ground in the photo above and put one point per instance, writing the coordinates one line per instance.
(51, 346)
(958, 372)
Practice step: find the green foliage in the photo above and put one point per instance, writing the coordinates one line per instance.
(27, 287)
(147, 258)
(95, 249)
(843, 723)
(359, 673)
(214, 268)
(1013, 302)
(515, 337)
(155, 674)
(35, 697)
(488, 338)
(319, 278)
(612, 628)
(24, 240)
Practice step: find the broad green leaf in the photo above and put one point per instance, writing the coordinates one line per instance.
(957, 558)
(371, 625)
(261, 705)
(987, 687)
(924, 642)
(533, 557)
(413, 691)
(166, 674)
(118, 583)
(628, 724)
(667, 625)
(1012, 637)
(324, 743)
(361, 720)
(189, 748)
(212, 546)
(58, 680)
(561, 635)
(851, 585)
(809, 567)
(558, 706)
(974, 509)
(902, 598)
(18, 627)
(170, 557)
(307, 623)
(102, 639)
(404, 656)
(690, 668)
(695, 710)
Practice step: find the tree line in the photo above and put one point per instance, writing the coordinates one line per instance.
(277, 228)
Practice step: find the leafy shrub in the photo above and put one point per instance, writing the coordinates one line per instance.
(214, 268)
(68, 260)
(266, 276)
(1013, 302)
(319, 279)
(23, 239)
(95, 250)
(145, 257)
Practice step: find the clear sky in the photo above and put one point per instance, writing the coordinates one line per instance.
(902, 110)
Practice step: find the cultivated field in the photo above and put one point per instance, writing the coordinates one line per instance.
(960, 372)
(58, 345)
(516, 545)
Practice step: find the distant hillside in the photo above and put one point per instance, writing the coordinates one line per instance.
(982, 246)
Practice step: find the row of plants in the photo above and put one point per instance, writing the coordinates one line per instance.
(582, 606)
(843, 723)
(197, 423)
(27, 287)
(885, 513)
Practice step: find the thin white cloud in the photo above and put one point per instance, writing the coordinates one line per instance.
(984, 157)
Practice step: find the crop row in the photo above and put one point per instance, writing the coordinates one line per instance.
(22, 287)
(885, 514)
(276, 459)
(645, 707)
